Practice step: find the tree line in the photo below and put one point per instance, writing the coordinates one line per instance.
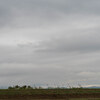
(17, 87)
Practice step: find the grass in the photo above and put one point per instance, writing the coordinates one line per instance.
(86, 99)
(59, 99)
(48, 94)
(48, 91)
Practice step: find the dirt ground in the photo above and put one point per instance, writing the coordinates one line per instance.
(49, 96)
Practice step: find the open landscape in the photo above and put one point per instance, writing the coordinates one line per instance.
(49, 49)
(49, 94)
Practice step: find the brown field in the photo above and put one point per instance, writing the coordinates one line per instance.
(49, 94)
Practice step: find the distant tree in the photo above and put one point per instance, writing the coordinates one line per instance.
(17, 87)
(29, 87)
(10, 87)
(24, 87)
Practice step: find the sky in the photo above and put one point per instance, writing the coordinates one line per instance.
(49, 42)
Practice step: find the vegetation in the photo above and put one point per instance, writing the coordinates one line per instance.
(23, 92)
(19, 87)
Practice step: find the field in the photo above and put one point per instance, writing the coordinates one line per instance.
(54, 99)
(48, 94)
(57, 99)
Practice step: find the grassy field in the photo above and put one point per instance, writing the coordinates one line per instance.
(48, 94)
(86, 99)
(59, 99)
(48, 91)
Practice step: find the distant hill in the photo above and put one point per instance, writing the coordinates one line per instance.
(93, 87)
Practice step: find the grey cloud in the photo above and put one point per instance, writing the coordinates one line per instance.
(49, 41)
(76, 43)
(27, 11)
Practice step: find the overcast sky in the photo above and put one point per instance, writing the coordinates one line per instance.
(54, 42)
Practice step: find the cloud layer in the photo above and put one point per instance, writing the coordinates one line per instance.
(49, 42)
